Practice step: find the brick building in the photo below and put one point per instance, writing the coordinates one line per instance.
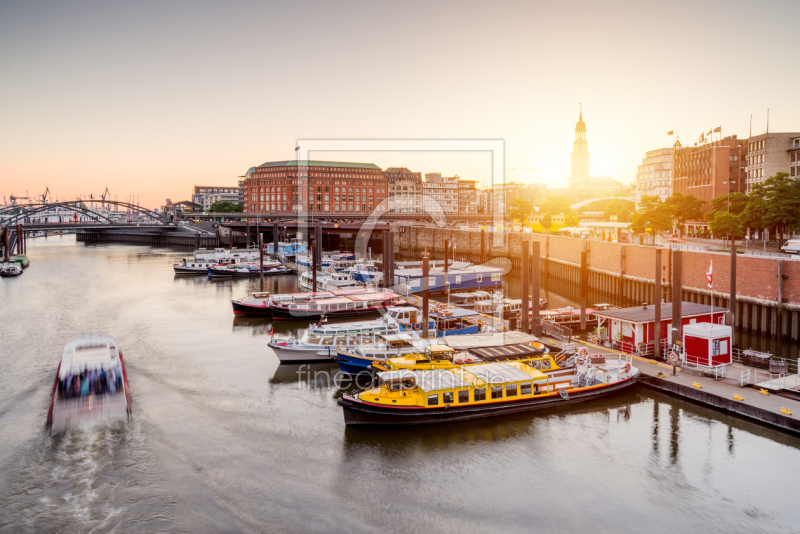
(405, 190)
(711, 169)
(771, 153)
(292, 187)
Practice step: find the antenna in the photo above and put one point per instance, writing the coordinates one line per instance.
(767, 125)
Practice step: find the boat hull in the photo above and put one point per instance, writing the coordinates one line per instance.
(286, 354)
(180, 269)
(9, 274)
(244, 273)
(287, 314)
(362, 413)
(246, 309)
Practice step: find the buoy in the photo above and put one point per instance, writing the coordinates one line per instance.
(763, 391)
(786, 411)
(738, 397)
(696, 385)
(660, 374)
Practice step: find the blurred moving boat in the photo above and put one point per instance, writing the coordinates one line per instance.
(466, 392)
(90, 384)
(10, 269)
(21, 259)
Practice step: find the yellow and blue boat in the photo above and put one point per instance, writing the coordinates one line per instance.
(447, 392)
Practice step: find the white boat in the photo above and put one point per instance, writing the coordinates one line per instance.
(259, 303)
(248, 269)
(203, 259)
(306, 281)
(337, 281)
(91, 383)
(10, 269)
(319, 342)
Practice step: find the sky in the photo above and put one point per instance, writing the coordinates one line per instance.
(151, 98)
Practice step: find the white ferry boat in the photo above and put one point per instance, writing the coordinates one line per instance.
(203, 259)
(259, 303)
(90, 383)
(337, 281)
(320, 342)
(306, 280)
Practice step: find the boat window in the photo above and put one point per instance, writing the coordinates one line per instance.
(511, 390)
(545, 364)
(525, 389)
(463, 396)
(314, 339)
(447, 397)
(537, 364)
(433, 400)
(479, 395)
(328, 340)
(497, 392)
(367, 337)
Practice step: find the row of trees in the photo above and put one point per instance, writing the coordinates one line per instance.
(661, 216)
(520, 209)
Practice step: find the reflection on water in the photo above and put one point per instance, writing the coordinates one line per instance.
(225, 439)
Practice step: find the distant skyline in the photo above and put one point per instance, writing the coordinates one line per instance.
(151, 98)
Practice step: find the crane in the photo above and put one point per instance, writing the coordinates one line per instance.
(44, 195)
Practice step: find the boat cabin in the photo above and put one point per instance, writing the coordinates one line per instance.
(636, 326)
(707, 344)
(455, 321)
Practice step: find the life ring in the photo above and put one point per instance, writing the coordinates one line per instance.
(469, 360)
(584, 352)
(409, 326)
(626, 368)
(417, 326)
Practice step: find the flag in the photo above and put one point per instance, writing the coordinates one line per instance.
(710, 132)
(702, 138)
(710, 276)
(718, 129)
(670, 132)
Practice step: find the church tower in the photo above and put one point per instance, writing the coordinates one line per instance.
(580, 153)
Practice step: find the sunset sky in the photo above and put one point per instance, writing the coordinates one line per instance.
(150, 98)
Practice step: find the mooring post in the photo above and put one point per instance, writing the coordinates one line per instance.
(390, 282)
(732, 299)
(677, 295)
(526, 246)
(483, 245)
(6, 252)
(230, 235)
(446, 274)
(425, 310)
(317, 252)
(261, 260)
(657, 340)
(247, 235)
(536, 259)
(275, 238)
(583, 289)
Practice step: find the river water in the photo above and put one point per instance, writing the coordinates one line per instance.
(224, 439)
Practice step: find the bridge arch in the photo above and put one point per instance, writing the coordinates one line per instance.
(25, 211)
(586, 202)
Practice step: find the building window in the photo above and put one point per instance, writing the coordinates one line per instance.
(431, 281)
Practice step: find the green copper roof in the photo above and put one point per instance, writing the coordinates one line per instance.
(312, 163)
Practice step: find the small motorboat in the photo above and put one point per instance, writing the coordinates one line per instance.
(10, 269)
(91, 383)
(248, 269)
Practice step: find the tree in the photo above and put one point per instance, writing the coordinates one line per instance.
(621, 209)
(519, 209)
(571, 219)
(546, 221)
(684, 208)
(738, 201)
(774, 203)
(653, 215)
(224, 206)
(555, 205)
(727, 225)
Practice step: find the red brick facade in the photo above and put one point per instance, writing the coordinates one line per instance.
(286, 187)
(708, 170)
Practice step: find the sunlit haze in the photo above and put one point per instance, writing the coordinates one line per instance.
(150, 98)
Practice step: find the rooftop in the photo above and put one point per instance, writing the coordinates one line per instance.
(640, 314)
(314, 163)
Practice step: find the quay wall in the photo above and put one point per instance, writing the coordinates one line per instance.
(137, 238)
(739, 408)
(767, 288)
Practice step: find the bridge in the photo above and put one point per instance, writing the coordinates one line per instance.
(14, 215)
(438, 218)
(586, 202)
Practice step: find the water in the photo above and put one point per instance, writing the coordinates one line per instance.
(225, 439)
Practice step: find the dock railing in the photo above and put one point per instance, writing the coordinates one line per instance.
(557, 331)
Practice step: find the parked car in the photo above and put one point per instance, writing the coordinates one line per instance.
(791, 247)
